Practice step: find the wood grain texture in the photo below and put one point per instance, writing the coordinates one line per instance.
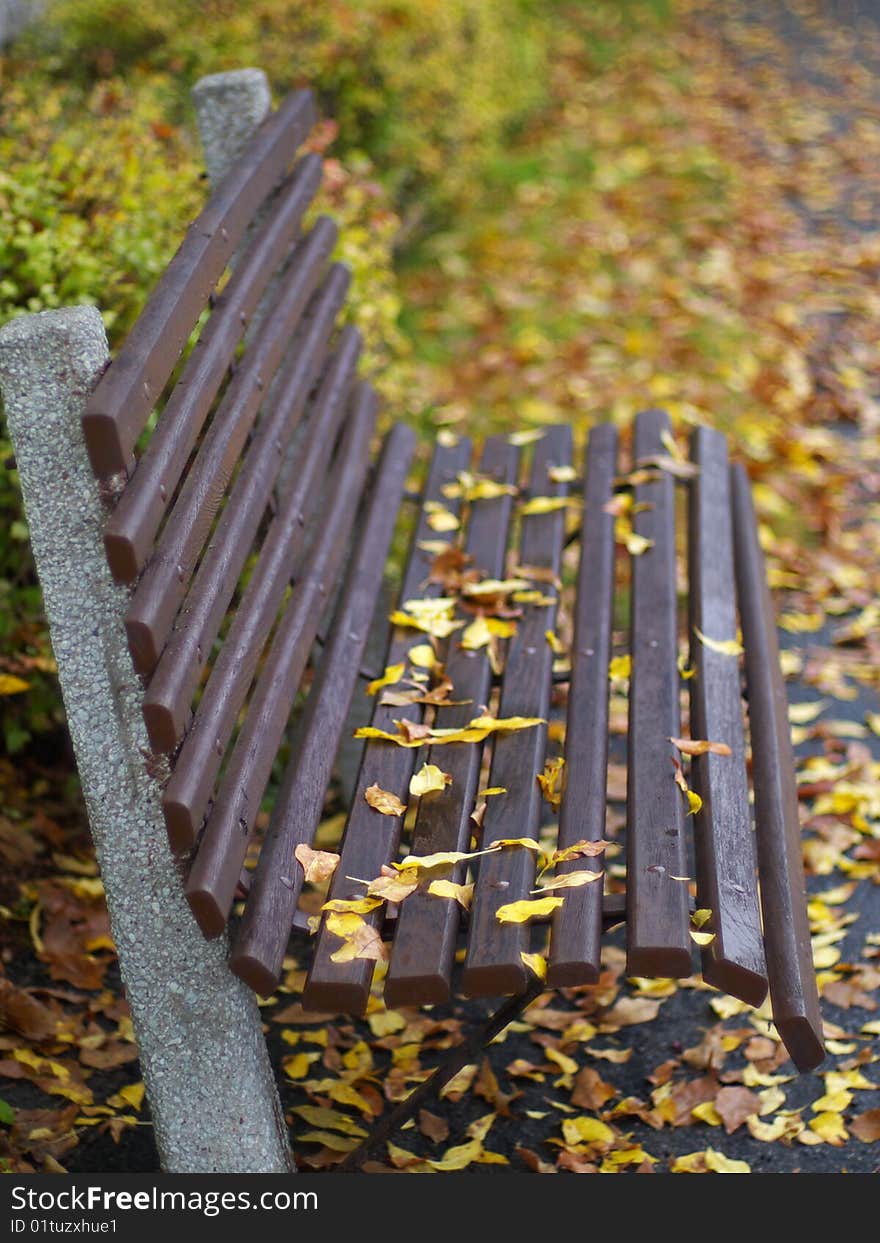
(426, 927)
(164, 582)
(371, 839)
(269, 914)
(117, 411)
(132, 526)
(577, 925)
(725, 847)
(658, 940)
(214, 874)
(793, 994)
(168, 699)
(493, 965)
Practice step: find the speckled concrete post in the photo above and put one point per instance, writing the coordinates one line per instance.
(229, 107)
(204, 1060)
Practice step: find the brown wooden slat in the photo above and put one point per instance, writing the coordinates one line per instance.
(371, 839)
(426, 927)
(163, 584)
(577, 924)
(131, 528)
(725, 848)
(117, 411)
(169, 696)
(658, 940)
(263, 934)
(198, 761)
(494, 965)
(214, 874)
(793, 993)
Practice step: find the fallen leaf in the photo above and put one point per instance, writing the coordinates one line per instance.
(318, 865)
(392, 675)
(429, 779)
(691, 746)
(462, 894)
(384, 801)
(724, 647)
(522, 912)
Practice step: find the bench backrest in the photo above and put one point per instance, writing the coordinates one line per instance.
(234, 515)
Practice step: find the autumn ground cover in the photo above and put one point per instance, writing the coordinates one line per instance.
(689, 220)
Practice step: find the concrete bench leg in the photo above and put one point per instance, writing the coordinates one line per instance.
(205, 1065)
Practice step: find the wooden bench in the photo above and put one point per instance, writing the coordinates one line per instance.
(252, 523)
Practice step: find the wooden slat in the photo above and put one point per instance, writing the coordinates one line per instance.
(577, 924)
(263, 934)
(371, 839)
(198, 761)
(164, 582)
(213, 877)
(117, 411)
(426, 928)
(494, 965)
(169, 695)
(132, 526)
(658, 940)
(793, 993)
(726, 865)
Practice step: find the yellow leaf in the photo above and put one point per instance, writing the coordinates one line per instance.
(584, 1130)
(440, 518)
(392, 674)
(532, 597)
(546, 505)
(442, 858)
(526, 437)
(528, 843)
(536, 963)
(493, 587)
(562, 474)
(384, 801)
(830, 1128)
(692, 746)
(550, 781)
(495, 725)
(684, 670)
(557, 647)
(801, 623)
(394, 888)
(422, 656)
(873, 719)
(522, 912)
(318, 865)
(297, 1065)
(365, 942)
(620, 667)
(724, 647)
(694, 802)
(10, 685)
(427, 780)
(701, 917)
(571, 880)
(803, 713)
(462, 894)
(483, 630)
(492, 790)
(349, 906)
(719, 1164)
(580, 850)
(702, 938)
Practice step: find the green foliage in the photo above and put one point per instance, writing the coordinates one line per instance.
(100, 173)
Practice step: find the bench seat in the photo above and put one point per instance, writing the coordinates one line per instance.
(253, 524)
